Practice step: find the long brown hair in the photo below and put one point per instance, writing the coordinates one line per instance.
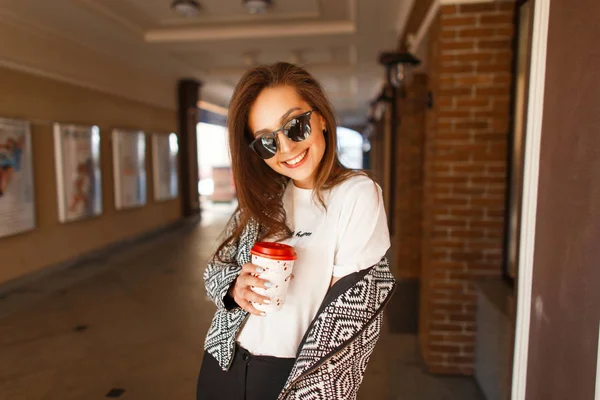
(260, 188)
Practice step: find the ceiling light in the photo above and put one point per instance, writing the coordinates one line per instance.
(257, 6)
(186, 8)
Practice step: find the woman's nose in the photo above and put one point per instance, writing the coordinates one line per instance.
(286, 146)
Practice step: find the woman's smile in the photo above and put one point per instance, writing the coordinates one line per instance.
(297, 161)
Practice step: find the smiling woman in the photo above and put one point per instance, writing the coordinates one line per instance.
(292, 189)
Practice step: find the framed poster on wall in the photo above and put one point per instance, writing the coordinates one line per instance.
(129, 166)
(164, 156)
(78, 176)
(17, 201)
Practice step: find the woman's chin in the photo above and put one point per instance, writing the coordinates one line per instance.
(302, 180)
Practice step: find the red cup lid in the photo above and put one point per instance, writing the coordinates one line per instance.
(276, 251)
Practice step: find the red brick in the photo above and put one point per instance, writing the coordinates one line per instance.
(455, 21)
(451, 223)
(446, 265)
(466, 168)
(470, 80)
(477, 8)
(454, 45)
(491, 91)
(446, 285)
(476, 124)
(487, 137)
(454, 136)
(468, 234)
(453, 201)
(480, 114)
(456, 69)
(470, 57)
(448, 9)
(504, 79)
(471, 190)
(454, 114)
(446, 81)
(472, 102)
(506, 6)
(453, 297)
(458, 338)
(485, 202)
(477, 33)
(498, 67)
(495, 44)
(507, 31)
(488, 180)
(445, 348)
(445, 103)
(467, 213)
(449, 35)
(456, 91)
(446, 327)
(505, 18)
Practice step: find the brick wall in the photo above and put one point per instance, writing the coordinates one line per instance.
(410, 139)
(464, 175)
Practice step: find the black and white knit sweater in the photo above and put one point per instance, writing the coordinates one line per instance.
(336, 348)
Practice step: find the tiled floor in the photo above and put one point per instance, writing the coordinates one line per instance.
(136, 321)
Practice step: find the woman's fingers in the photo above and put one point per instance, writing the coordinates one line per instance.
(246, 305)
(258, 282)
(252, 269)
(255, 297)
(248, 279)
(243, 294)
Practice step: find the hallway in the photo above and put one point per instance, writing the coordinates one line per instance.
(136, 321)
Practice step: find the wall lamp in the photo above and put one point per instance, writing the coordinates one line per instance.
(398, 67)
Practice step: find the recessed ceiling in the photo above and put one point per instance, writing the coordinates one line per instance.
(336, 40)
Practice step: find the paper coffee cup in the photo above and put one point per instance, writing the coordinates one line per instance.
(277, 261)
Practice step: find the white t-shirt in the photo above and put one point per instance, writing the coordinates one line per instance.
(352, 235)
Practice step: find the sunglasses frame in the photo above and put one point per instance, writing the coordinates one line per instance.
(274, 133)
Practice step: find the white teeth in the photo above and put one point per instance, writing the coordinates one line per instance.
(297, 159)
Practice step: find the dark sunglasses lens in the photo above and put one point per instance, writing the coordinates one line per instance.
(298, 128)
(265, 147)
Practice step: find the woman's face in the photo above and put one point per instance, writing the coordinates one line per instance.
(273, 108)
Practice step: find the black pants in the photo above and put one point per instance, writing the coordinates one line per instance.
(249, 377)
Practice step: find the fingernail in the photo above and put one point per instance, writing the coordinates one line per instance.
(268, 284)
(260, 270)
(267, 301)
(264, 314)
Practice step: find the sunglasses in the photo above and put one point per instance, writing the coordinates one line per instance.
(296, 129)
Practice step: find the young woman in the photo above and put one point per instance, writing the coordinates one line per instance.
(293, 189)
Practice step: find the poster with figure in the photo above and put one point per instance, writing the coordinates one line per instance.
(164, 155)
(17, 201)
(129, 166)
(78, 176)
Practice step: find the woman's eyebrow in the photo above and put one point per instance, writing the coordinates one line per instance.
(281, 121)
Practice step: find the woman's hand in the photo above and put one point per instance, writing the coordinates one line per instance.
(241, 289)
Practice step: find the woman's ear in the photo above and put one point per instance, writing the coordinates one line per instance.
(323, 122)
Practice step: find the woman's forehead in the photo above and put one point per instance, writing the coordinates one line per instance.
(272, 104)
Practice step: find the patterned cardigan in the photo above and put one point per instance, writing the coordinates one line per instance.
(338, 343)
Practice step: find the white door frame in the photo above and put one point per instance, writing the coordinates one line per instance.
(533, 138)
